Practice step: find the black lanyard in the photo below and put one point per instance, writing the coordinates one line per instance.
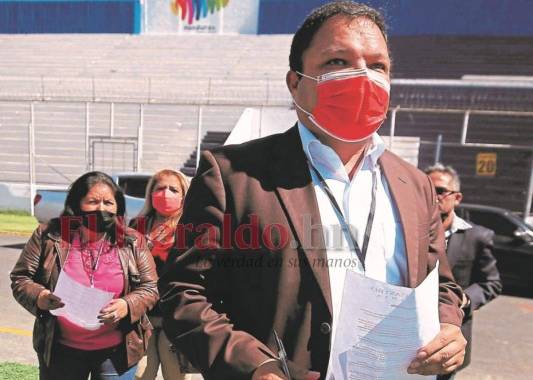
(361, 254)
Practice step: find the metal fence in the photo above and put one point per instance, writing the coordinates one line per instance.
(52, 143)
(522, 170)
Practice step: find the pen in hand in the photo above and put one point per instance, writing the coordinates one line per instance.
(282, 355)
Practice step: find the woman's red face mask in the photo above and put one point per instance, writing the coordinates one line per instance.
(351, 104)
(166, 202)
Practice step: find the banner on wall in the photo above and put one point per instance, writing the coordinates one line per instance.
(200, 16)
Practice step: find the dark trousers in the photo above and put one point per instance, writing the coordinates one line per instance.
(73, 364)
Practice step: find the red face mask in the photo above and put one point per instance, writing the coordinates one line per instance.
(351, 104)
(166, 202)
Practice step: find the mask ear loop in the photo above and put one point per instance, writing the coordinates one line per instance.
(307, 113)
(306, 76)
(309, 116)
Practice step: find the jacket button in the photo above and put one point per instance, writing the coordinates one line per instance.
(325, 328)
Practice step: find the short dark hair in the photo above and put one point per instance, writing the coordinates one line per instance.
(80, 187)
(305, 33)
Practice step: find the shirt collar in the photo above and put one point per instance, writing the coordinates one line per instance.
(458, 224)
(327, 161)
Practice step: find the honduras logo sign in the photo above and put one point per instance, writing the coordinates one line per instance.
(194, 10)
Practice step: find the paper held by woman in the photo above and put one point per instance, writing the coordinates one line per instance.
(82, 303)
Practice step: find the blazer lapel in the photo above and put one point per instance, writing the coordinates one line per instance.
(406, 204)
(453, 250)
(290, 174)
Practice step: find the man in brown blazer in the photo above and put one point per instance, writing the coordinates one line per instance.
(252, 256)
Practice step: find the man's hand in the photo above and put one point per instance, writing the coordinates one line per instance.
(444, 354)
(269, 371)
(272, 371)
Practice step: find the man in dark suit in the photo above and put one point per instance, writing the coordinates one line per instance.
(469, 251)
(255, 257)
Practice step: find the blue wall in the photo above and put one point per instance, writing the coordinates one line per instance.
(417, 17)
(62, 16)
(404, 17)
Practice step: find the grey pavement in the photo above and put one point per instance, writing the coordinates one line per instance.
(14, 347)
(503, 339)
(502, 342)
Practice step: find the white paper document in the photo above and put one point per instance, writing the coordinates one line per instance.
(82, 303)
(381, 327)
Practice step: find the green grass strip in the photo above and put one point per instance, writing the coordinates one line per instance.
(14, 371)
(17, 223)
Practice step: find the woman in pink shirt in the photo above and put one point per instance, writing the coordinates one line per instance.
(90, 246)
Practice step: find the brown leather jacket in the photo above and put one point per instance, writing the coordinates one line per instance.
(38, 268)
